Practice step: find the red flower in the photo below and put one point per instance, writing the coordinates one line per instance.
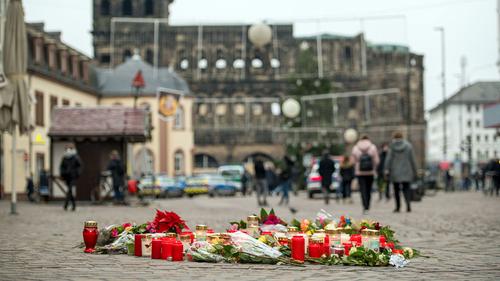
(377, 226)
(272, 219)
(127, 224)
(168, 221)
(114, 233)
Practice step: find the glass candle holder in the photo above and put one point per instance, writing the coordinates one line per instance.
(90, 234)
(201, 232)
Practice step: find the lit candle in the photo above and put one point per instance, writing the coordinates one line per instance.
(316, 248)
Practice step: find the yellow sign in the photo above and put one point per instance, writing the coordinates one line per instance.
(39, 139)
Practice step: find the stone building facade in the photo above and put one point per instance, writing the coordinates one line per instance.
(236, 83)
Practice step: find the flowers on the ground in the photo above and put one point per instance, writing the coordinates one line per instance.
(167, 222)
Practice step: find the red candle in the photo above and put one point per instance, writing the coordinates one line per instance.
(315, 250)
(177, 251)
(166, 249)
(382, 239)
(347, 248)
(266, 233)
(90, 234)
(298, 248)
(138, 245)
(191, 234)
(210, 230)
(156, 249)
(326, 245)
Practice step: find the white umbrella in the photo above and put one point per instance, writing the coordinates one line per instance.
(15, 110)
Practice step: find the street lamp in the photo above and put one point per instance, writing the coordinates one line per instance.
(291, 108)
(443, 87)
(260, 34)
(350, 135)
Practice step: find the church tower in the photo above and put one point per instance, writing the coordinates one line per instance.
(133, 28)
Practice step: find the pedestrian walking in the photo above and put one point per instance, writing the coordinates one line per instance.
(365, 156)
(30, 188)
(115, 167)
(326, 169)
(493, 171)
(70, 170)
(286, 180)
(347, 175)
(383, 184)
(401, 168)
(261, 186)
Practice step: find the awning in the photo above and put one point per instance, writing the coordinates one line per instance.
(100, 123)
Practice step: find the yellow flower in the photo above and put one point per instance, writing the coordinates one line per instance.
(263, 239)
(309, 232)
(128, 229)
(304, 225)
(409, 251)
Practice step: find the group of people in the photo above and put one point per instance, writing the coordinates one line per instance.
(266, 178)
(70, 169)
(395, 164)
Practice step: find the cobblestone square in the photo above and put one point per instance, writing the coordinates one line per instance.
(460, 232)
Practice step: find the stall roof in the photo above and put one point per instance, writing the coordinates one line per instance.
(100, 122)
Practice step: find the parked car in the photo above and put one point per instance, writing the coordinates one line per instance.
(147, 187)
(211, 184)
(169, 186)
(233, 174)
(313, 183)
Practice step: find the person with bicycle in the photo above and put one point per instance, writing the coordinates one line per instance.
(401, 168)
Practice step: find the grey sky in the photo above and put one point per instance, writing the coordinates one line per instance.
(471, 27)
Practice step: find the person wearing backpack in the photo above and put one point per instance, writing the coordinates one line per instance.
(401, 168)
(365, 158)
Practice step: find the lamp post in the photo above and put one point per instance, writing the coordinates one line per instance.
(443, 87)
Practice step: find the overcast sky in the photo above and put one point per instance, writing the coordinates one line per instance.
(471, 27)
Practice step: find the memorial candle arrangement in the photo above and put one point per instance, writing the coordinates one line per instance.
(258, 239)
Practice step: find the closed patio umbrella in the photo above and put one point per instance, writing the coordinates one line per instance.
(15, 106)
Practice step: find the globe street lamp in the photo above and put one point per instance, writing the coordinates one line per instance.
(291, 108)
(350, 135)
(260, 34)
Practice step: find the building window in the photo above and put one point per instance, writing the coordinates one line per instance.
(478, 123)
(65, 102)
(39, 114)
(486, 138)
(69, 64)
(149, 56)
(468, 108)
(127, 8)
(469, 123)
(58, 61)
(179, 162)
(105, 8)
(179, 118)
(149, 7)
(478, 107)
(105, 58)
(347, 53)
(478, 138)
(205, 161)
(53, 103)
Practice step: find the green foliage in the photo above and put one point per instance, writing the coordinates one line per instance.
(241, 224)
(389, 234)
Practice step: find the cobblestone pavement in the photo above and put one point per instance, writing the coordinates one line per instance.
(459, 231)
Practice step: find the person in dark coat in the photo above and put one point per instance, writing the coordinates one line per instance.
(286, 180)
(382, 182)
(115, 166)
(30, 188)
(261, 187)
(70, 170)
(326, 170)
(493, 171)
(346, 175)
(401, 168)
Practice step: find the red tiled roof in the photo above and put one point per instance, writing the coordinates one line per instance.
(99, 122)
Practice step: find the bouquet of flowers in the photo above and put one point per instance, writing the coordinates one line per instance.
(166, 222)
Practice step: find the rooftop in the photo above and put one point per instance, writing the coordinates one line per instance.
(98, 122)
(478, 93)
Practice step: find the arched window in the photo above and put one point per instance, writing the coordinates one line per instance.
(179, 162)
(105, 7)
(179, 118)
(127, 8)
(205, 161)
(149, 56)
(149, 7)
(126, 54)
